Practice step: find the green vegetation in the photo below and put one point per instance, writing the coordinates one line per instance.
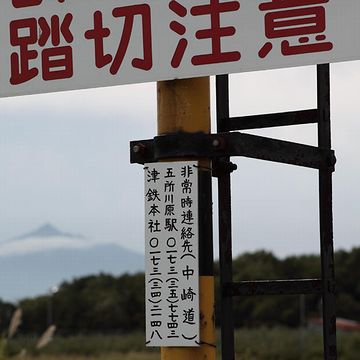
(83, 345)
(268, 326)
(93, 304)
(107, 304)
(291, 344)
(106, 356)
(251, 344)
(2, 348)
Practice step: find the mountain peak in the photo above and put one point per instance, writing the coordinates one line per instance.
(47, 230)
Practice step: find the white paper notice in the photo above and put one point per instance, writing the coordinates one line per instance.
(171, 254)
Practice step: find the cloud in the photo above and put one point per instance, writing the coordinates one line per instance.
(39, 244)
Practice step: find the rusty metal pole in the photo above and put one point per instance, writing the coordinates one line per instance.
(326, 217)
(184, 106)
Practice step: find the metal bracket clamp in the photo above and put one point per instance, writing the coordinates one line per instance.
(214, 146)
(222, 166)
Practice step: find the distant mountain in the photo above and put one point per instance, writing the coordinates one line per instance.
(32, 264)
(47, 230)
(44, 238)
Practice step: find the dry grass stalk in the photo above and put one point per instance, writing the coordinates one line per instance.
(46, 337)
(22, 354)
(14, 323)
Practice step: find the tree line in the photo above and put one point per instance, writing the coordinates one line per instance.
(109, 304)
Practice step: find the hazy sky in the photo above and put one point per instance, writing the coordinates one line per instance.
(64, 159)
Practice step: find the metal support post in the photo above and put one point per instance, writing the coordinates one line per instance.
(225, 230)
(326, 217)
(184, 106)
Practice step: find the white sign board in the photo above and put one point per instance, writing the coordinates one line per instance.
(171, 254)
(53, 45)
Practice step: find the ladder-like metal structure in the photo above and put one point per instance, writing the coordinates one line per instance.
(226, 143)
(321, 158)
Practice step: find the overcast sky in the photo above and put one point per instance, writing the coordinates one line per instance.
(64, 159)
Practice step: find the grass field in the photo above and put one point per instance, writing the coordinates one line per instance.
(105, 356)
(251, 344)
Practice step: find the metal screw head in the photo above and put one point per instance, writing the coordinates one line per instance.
(216, 143)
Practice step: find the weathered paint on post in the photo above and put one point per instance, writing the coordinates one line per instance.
(207, 350)
(184, 106)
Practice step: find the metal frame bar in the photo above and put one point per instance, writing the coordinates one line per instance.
(231, 144)
(326, 216)
(324, 286)
(273, 287)
(272, 120)
(225, 229)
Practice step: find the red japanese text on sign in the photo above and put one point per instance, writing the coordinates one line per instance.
(98, 33)
(56, 61)
(25, 3)
(289, 18)
(61, 45)
(215, 32)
